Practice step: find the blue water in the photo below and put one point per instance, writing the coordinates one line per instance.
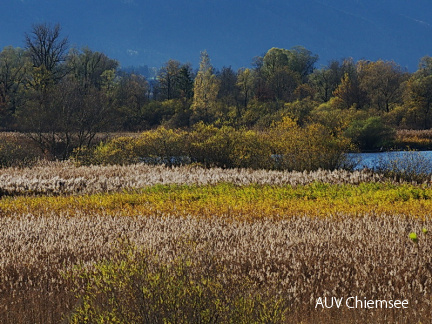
(374, 160)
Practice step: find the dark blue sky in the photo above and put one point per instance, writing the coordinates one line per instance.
(141, 32)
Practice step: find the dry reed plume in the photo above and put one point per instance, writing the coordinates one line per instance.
(299, 259)
(65, 178)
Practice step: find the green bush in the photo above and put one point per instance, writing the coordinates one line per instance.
(370, 133)
(211, 146)
(251, 150)
(137, 287)
(228, 147)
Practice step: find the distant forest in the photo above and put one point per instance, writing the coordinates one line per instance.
(52, 93)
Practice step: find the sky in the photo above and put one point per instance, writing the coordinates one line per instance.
(141, 32)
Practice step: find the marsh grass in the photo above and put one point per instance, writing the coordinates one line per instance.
(230, 201)
(189, 243)
(136, 286)
(60, 178)
(64, 257)
(414, 139)
(410, 166)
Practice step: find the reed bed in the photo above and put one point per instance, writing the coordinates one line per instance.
(414, 139)
(241, 246)
(54, 178)
(298, 259)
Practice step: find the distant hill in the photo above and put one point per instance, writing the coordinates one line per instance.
(138, 32)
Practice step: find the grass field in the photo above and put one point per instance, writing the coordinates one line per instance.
(189, 245)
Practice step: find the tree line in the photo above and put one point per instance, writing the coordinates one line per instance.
(61, 97)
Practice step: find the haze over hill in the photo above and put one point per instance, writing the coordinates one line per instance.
(138, 32)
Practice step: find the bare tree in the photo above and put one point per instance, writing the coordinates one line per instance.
(46, 48)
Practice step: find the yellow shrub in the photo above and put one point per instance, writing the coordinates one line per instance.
(309, 148)
(162, 146)
(250, 150)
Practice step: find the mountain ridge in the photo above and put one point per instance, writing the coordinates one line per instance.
(148, 33)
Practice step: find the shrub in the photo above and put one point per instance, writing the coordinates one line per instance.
(228, 147)
(163, 145)
(250, 150)
(211, 146)
(14, 154)
(299, 110)
(137, 287)
(370, 134)
(308, 148)
(335, 120)
(120, 150)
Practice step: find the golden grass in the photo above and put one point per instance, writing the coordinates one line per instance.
(414, 139)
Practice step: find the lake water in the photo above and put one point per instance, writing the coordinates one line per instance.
(372, 160)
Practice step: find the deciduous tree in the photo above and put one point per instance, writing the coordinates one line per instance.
(14, 66)
(382, 81)
(302, 61)
(206, 88)
(168, 80)
(88, 67)
(349, 93)
(130, 97)
(325, 80)
(418, 96)
(245, 83)
(228, 91)
(47, 50)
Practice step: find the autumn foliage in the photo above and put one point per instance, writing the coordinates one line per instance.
(285, 146)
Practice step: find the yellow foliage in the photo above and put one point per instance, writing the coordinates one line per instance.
(162, 145)
(237, 202)
(308, 148)
(285, 145)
